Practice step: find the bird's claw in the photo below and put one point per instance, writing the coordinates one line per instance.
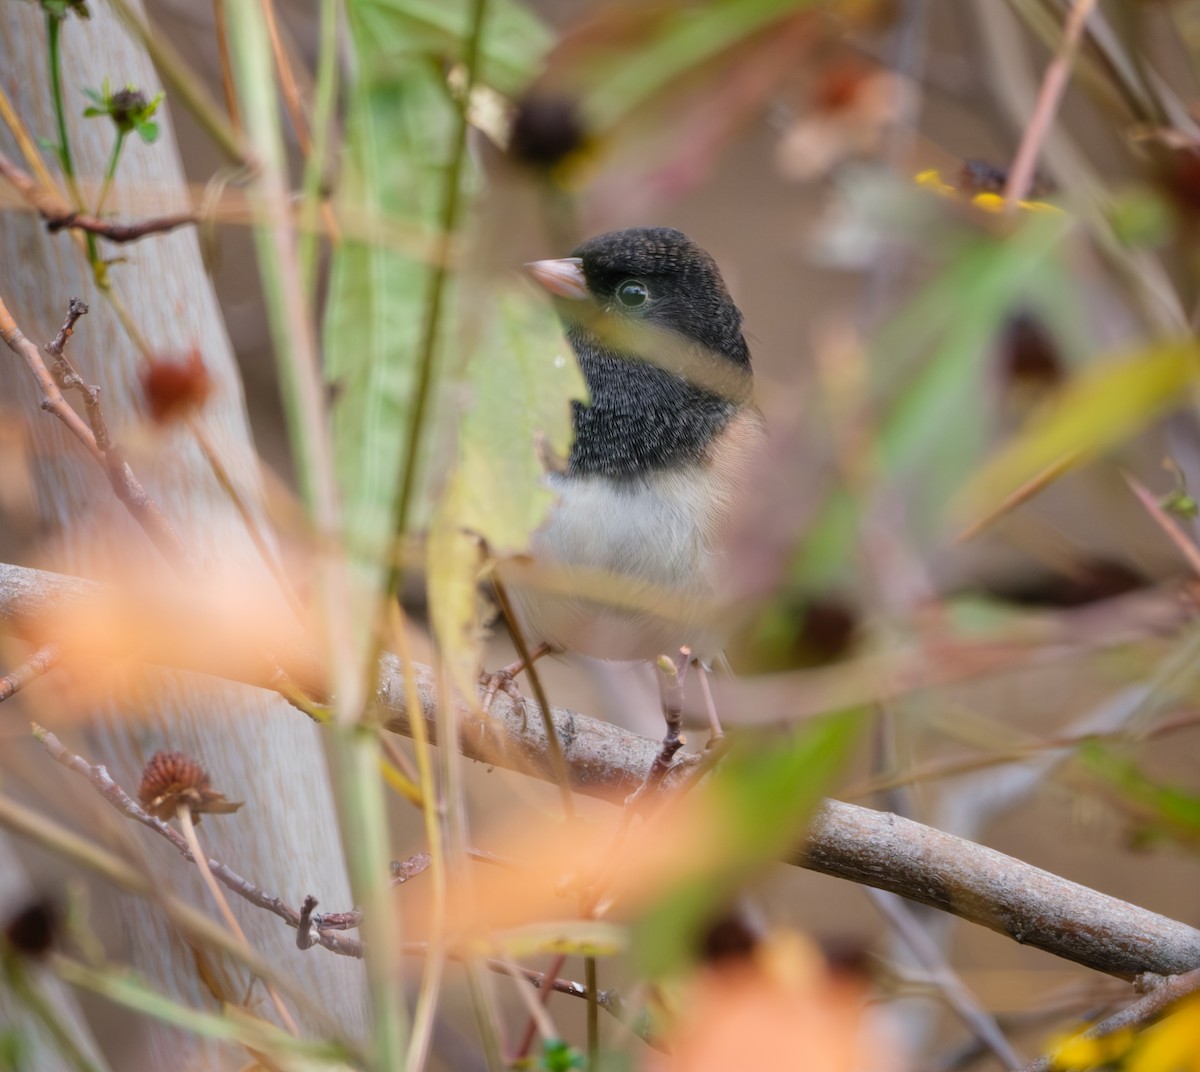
(504, 680)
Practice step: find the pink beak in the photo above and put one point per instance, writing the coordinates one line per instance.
(563, 278)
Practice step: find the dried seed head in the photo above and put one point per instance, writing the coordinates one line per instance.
(173, 780)
(547, 131)
(174, 387)
(30, 931)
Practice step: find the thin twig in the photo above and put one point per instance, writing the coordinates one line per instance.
(526, 656)
(287, 81)
(1166, 993)
(227, 88)
(1174, 532)
(41, 662)
(249, 519)
(103, 783)
(295, 108)
(199, 857)
(144, 510)
(59, 215)
(1021, 175)
(954, 992)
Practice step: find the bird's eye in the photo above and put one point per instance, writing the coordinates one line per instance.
(632, 293)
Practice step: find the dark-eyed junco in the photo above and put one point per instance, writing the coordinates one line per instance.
(629, 562)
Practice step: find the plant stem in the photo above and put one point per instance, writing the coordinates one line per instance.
(54, 45)
(593, 1014)
(324, 103)
(110, 172)
(451, 202)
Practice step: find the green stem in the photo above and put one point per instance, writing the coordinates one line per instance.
(27, 992)
(451, 203)
(324, 103)
(110, 173)
(66, 161)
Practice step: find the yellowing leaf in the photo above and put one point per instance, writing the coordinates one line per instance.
(452, 563)
(572, 937)
(1102, 407)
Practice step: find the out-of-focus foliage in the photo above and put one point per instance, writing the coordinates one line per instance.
(400, 135)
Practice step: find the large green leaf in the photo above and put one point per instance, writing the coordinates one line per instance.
(400, 139)
(513, 42)
(516, 388)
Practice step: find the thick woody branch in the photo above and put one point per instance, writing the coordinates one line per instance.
(1029, 905)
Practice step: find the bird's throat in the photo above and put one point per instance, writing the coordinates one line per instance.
(640, 418)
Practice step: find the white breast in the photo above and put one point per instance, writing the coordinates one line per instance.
(626, 570)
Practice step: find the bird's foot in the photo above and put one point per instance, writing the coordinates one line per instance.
(504, 680)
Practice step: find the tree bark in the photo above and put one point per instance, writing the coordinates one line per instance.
(253, 744)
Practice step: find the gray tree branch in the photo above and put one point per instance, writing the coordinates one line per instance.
(874, 848)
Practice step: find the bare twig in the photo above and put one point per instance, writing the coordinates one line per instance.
(952, 989)
(1171, 528)
(61, 216)
(405, 870)
(102, 781)
(528, 659)
(1166, 993)
(41, 662)
(199, 858)
(227, 87)
(144, 510)
(1021, 175)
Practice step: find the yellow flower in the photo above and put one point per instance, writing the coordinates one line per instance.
(931, 179)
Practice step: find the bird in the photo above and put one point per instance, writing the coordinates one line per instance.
(630, 561)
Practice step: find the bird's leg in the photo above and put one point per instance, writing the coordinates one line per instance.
(670, 691)
(716, 734)
(504, 679)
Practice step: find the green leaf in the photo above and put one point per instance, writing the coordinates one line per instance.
(514, 39)
(148, 131)
(1164, 811)
(760, 797)
(398, 135)
(558, 1056)
(399, 144)
(517, 384)
(520, 379)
